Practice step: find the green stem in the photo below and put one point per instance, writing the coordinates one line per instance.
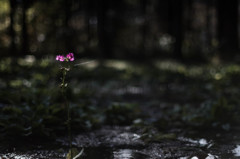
(69, 127)
(63, 86)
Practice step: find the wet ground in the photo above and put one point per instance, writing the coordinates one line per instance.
(125, 142)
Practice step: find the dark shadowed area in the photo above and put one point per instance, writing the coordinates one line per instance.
(149, 79)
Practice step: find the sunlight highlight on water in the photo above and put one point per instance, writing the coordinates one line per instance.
(210, 156)
(15, 156)
(123, 154)
(200, 142)
(236, 151)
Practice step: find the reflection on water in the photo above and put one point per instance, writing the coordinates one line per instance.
(123, 154)
(184, 148)
(129, 154)
(31, 156)
(209, 156)
(200, 142)
(203, 142)
(49, 154)
(14, 156)
(236, 151)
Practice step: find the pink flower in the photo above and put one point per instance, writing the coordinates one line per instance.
(60, 58)
(70, 56)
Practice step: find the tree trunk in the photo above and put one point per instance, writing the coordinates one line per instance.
(67, 29)
(24, 28)
(176, 29)
(144, 29)
(90, 12)
(208, 23)
(104, 39)
(228, 26)
(67, 9)
(11, 28)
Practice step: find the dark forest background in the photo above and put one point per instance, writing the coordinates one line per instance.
(135, 29)
(166, 68)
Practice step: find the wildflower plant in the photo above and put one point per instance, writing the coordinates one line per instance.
(65, 68)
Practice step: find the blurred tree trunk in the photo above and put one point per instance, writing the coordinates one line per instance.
(118, 20)
(87, 18)
(208, 23)
(67, 33)
(24, 27)
(11, 28)
(144, 28)
(104, 38)
(90, 19)
(176, 29)
(228, 26)
(189, 15)
(67, 8)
